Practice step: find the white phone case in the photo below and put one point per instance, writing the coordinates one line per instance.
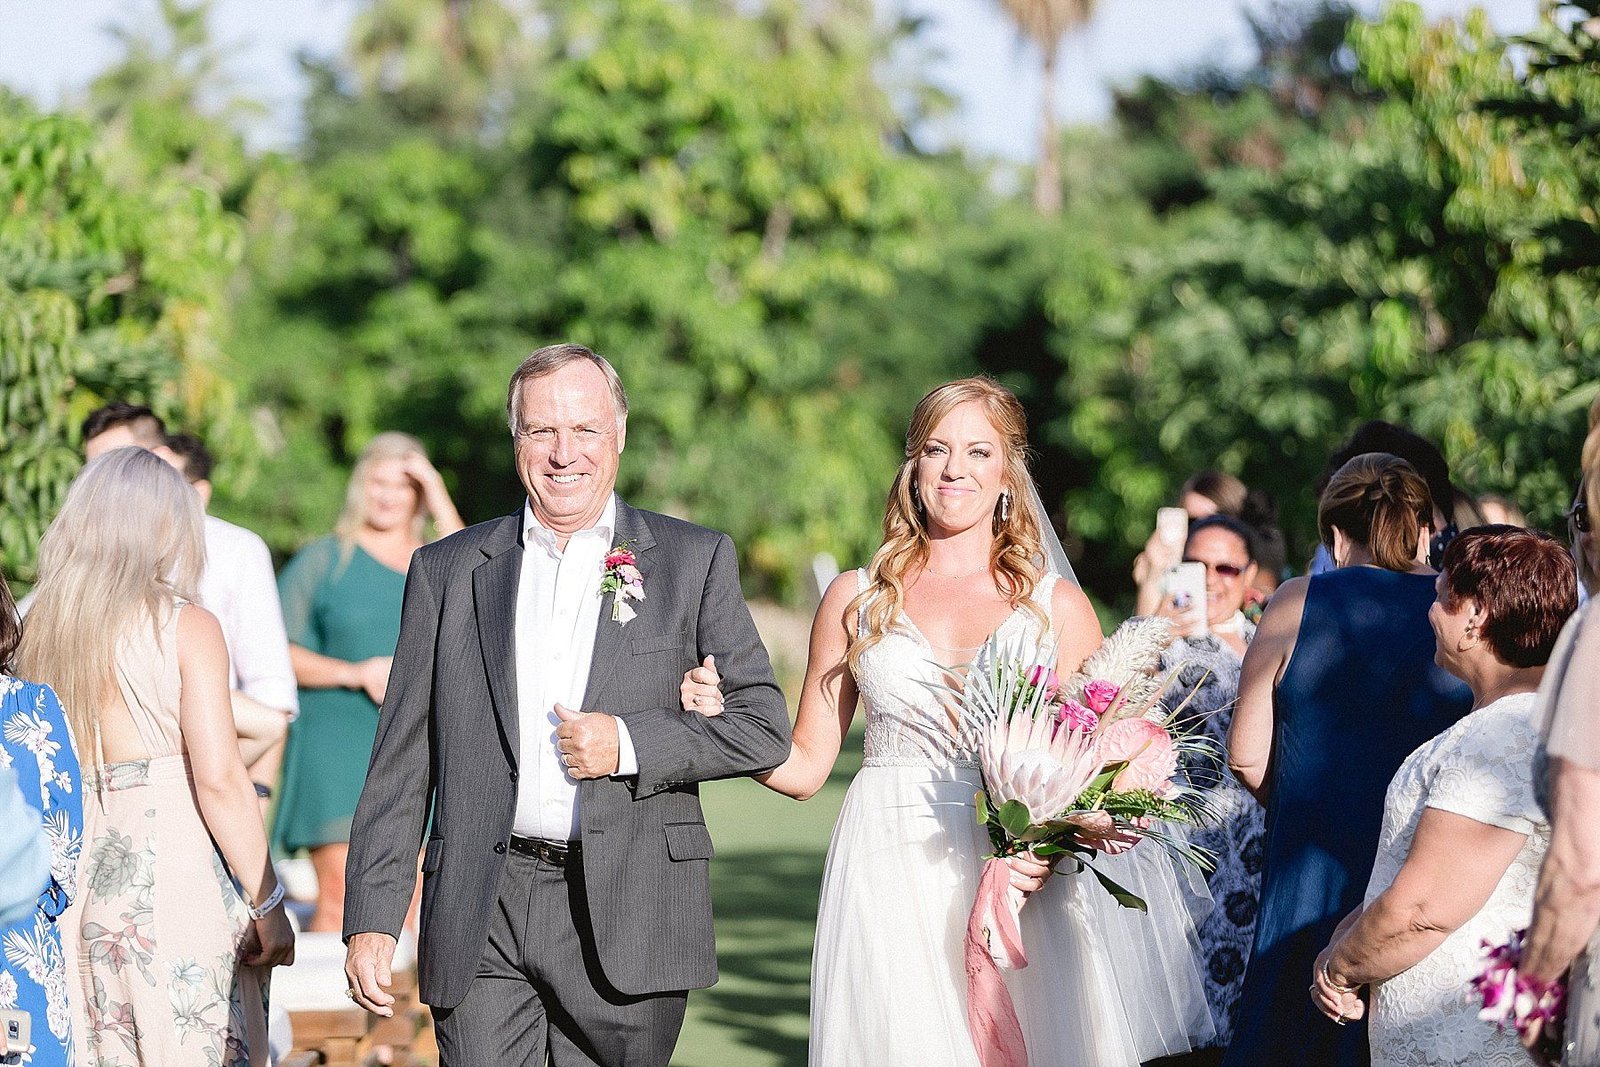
(1173, 526)
(18, 1028)
(1186, 586)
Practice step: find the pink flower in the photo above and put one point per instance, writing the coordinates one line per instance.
(619, 557)
(1043, 677)
(1100, 695)
(1147, 748)
(630, 573)
(1099, 831)
(1074, 716)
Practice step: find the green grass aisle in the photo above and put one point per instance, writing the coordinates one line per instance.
(764, 884)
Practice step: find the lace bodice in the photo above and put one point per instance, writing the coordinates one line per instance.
(1481, 768)
(908, 723)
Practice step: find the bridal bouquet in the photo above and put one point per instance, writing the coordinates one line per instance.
(1070, 768)
(1518, 1002)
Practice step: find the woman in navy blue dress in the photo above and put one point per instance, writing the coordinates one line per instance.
(35, 744)
(1338, 687)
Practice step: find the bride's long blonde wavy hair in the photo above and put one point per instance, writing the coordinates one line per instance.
(129, 539)
(1016, 557)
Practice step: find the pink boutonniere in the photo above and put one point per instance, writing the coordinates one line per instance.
(623, 581)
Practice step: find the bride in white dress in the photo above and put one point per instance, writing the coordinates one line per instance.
(964, 557)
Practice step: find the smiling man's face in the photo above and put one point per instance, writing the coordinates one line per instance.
(569, 443)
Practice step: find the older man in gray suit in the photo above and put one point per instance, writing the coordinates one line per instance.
(566, 903)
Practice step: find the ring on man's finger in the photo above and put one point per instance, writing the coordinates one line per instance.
(351, 993)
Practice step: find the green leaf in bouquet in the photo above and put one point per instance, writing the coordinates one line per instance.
(1119, 894)
(1013, 815)
(1102, 781)
(981, 803)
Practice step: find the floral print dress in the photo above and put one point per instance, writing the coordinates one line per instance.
(1238, 836)
(36, 745)
(162, 924)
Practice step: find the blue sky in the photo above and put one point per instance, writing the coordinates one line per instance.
(50, 48)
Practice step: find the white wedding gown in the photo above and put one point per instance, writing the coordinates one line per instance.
(1106, 986)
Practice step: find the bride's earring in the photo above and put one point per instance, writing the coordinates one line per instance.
(1005, 505)
(916, 497)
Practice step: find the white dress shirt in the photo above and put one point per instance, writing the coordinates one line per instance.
(237, 587)
(558, 610)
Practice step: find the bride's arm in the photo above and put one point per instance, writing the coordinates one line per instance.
(1077, 624)
(827, 699)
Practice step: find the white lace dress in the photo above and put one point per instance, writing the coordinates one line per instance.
(1482, 768)
(1106, 987)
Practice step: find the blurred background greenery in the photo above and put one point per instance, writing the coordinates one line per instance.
(1383, 218)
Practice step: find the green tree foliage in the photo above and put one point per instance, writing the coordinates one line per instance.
(109, 287)
(1397, 266)
(1381, 219)
(703, 194)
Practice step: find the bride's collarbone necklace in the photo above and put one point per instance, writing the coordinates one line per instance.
(929, 571)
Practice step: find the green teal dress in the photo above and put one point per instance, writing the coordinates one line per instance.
(345, 604)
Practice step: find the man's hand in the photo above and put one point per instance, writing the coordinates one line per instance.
(366, 968)
(587, 741)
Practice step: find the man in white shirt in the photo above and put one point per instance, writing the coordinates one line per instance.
(532, 734)
(237, 586)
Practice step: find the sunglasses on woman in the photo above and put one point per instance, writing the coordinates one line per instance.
(1578, 515)
(1224, 570)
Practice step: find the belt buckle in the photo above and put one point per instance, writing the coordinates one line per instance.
(555, 853)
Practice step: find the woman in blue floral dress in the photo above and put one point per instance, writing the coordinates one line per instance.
(36, 745)
(1207, 657)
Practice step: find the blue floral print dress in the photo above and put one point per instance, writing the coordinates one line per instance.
(36, 745)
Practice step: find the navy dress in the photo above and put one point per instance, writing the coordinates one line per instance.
(1361, 692)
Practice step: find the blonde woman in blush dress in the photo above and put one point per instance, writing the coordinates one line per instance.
(963, 559)
(178, 914)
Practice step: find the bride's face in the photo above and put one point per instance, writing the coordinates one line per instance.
(962, 469)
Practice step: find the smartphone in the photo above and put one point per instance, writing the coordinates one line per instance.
(1186, 588)
(1173, 526)
(18, 1028)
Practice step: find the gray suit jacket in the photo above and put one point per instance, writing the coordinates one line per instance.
(448, 739)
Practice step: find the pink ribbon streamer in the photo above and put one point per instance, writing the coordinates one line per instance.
(991, 1016)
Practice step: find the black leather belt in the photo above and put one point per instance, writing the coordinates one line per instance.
(555, 853)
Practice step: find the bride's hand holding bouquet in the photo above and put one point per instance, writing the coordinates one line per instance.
(1070, 769)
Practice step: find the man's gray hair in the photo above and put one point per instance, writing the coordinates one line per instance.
(552, 358)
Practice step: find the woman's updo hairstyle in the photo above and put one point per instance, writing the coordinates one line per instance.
(1380, 502)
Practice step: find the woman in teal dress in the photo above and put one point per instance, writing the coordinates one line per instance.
(341, 600)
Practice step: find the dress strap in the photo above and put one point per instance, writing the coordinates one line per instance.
(861, 612)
